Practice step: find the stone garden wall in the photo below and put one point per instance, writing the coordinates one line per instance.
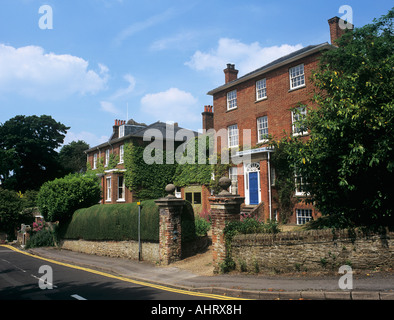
(316, 250)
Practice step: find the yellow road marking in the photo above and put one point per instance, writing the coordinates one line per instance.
(142, 283)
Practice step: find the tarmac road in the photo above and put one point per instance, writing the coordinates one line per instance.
(25, 277)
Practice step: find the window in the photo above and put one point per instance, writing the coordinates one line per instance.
(232, 136)
(108, 196)
(121, 188)
(232, 100)
(197, 198)
(297, 77)
(262, 129)
(95, 161)
(189, 197)
(303, 215)
(106, 158)
(297, 118)
(193, 197)
(261, 89)
(233, 175)
(121, 153)
(299, 184)
(121, 131)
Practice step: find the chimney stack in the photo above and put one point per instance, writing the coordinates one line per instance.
(230, 73)
(335, 29)
(207, 118)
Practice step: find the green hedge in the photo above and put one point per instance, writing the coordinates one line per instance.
(114, 222)
(119, 222)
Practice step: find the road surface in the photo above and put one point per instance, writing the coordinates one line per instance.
(26, 277)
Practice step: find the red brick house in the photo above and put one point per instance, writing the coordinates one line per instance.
(261, 101)
(108, 157)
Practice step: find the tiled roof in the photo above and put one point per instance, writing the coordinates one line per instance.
(276, 63)
(139, 133)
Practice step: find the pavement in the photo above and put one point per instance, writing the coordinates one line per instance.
(366, 286)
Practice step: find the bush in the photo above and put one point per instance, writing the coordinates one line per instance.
(115, 222)
(188, 223)
(202, 226)
(60, 198)
(42, 238)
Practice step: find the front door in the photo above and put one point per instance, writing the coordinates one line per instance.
(253, 188)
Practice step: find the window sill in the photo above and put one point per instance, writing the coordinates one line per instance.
(121, 200)
(297, 88)
(108, 200)
(232, 109)
(262, 99)
(300, 134)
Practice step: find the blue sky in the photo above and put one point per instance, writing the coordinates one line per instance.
(159, 58)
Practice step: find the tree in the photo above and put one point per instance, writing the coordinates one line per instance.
(60, 198)
(11, 211)
(348, 161)
(28, 144)
(72, 157)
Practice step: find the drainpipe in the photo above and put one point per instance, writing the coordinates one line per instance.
(269, 184)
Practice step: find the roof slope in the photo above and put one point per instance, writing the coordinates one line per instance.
(311, 49)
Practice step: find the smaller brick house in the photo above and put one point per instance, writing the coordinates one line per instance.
(108, 157)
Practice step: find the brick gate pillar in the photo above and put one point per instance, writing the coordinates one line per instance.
(225, 207)
(170, 231)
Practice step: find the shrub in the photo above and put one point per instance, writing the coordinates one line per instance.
(115, 222)
(60, 198)
(202, 226)
(42, 238)
(188, 223)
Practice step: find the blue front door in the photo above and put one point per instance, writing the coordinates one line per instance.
(253, 188)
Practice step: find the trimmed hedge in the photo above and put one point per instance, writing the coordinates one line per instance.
(114, 222)
(119, 222)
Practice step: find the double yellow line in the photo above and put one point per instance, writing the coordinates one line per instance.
(142, 283)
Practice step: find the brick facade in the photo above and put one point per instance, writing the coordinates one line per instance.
(112, 178)
(268, 109)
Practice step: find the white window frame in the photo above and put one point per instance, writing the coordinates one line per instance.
(295, 117)
(121, 187)
(297, 76)
(95, 161)
(233, 175)
(299, 183)
(108, 189)
(262, 126)
(232, 100)
(106, 158)
(303, 216)
(121, 131)
(261, 89)
(233, 136)
(121, 153)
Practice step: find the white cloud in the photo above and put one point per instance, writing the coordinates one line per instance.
(125, 91)
(109, 107)
(246, 57)
(142, 25)
(177, 41)
(172, 105)
(31, 72)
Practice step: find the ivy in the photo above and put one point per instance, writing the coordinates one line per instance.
(147, 181)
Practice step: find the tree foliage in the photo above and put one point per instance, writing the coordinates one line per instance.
(348, 160)
(60, 198)
(72, 157)
(12, 210)
(28, 151)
